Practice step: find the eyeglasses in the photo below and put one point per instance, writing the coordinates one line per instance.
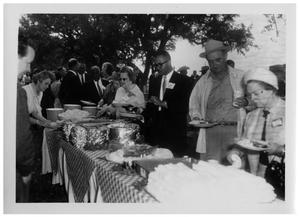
(160, 64)
(256, 93)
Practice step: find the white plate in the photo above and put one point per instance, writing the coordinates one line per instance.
(202, 124)
(255, 145)
(87, 102)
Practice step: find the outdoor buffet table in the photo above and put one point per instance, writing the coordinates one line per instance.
(87, 176)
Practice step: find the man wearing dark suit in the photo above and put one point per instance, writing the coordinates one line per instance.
(169, 97)
(71, 86)
(92, 90)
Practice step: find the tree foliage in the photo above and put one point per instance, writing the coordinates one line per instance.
(124, 37)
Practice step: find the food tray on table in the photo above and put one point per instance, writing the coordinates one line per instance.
(144, 166)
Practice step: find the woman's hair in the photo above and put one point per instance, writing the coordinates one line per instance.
(43, 75)
(264, 85)
(130, 73)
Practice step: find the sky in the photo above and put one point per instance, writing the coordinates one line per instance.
(271, 49)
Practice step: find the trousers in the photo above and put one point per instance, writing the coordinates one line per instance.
(218, 141)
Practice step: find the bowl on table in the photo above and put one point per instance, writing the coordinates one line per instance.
(52, 113)
(71, 106)
(125, 133)
(91, 109)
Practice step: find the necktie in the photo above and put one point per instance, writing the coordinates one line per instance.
(163, 89)
(99, 89)
(263, 158)
(164, 84)
(80, 79)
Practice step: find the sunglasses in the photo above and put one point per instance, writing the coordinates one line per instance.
(123, 79)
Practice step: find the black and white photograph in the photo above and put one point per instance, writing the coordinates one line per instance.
(148, 108)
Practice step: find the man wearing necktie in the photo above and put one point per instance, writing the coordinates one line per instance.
(92, 90)
(168, 102)
(71, 86)
(82, 73)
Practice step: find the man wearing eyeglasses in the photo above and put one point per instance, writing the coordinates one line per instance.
(168, 99)
(218, 97)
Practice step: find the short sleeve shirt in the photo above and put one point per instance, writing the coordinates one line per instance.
(219, 103)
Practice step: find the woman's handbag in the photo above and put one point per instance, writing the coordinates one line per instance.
(275, 175)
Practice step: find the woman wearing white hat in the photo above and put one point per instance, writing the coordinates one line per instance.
(266, 122)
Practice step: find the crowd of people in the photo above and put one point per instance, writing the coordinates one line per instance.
(243, 105)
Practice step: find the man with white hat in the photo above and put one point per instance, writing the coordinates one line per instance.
(212, 100)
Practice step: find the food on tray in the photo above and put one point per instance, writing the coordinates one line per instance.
(78, 136)
(67, 129)
(260, 144)
(256, 145)
(138, 152)
(208, 184)
(162, 153)
(74, 115)
(83, 134)
(195, 122)
(116, 156)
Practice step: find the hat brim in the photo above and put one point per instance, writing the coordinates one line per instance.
(224, 48)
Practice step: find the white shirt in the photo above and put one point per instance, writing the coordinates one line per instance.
(167, 77)
(98, 87)
(33, 100)
(73, 72)
(136, 99)
(101, 85)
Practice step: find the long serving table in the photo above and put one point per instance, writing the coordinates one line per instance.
(87, 176)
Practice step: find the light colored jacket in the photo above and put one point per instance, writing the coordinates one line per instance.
(199, 97)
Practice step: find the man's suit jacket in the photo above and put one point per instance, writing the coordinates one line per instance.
(71, 89)
(90, 92)
(170, 123)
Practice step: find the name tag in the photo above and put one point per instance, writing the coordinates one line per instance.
(170, 85)
(277, 123)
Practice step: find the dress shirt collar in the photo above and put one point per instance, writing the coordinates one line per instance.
(168, 76)
(73, 72)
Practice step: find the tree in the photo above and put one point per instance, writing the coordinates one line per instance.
(125, 37)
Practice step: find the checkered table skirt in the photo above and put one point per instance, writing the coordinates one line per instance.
(115, 186)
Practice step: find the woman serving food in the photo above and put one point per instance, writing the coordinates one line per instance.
(128, 97)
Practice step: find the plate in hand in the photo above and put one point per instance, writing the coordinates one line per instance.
(202, 124)
(255, 145)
